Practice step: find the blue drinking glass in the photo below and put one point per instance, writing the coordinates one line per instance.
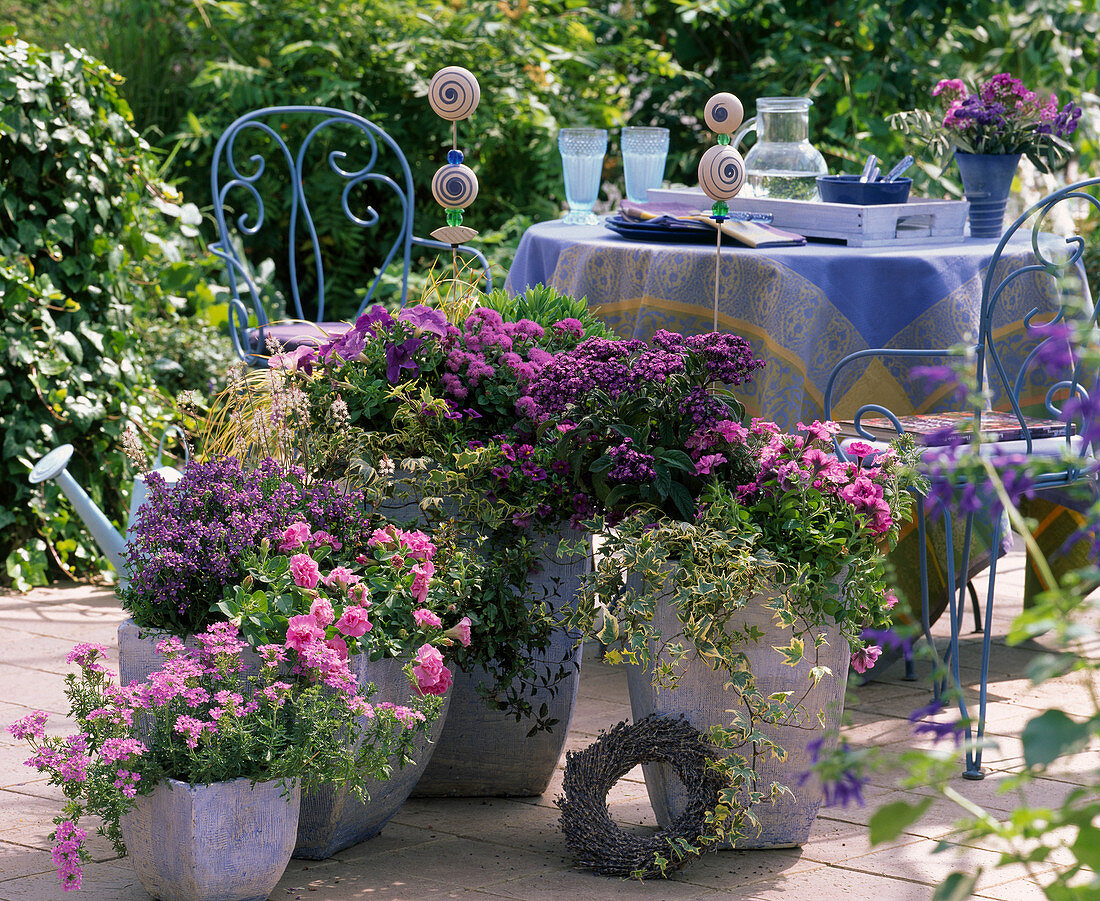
(644, 153)
(582, 153)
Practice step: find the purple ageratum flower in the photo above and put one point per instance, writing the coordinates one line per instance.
(425, 319)
(400, 356)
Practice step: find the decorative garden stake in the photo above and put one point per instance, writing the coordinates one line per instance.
(454, 94)
(721, 170)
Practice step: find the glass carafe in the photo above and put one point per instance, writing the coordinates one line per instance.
(782, 163)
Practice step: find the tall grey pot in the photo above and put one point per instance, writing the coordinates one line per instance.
(486, 753)
(700, 696)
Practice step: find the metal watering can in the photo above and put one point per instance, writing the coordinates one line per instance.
(52, 466)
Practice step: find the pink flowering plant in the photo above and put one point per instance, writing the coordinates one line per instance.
(788, 522)
(798, 522)
(386, 602)
(1000, 117)
(209, 715)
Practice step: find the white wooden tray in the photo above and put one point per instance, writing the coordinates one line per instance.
(858, 226)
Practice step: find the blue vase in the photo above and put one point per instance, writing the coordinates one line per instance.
(987, 181)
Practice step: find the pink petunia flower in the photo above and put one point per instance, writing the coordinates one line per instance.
(305, 571)
(424, 617)
(460, 632)
(432, 677)
(302, 631)
(864, 658)
(295, 536)
(354, 622)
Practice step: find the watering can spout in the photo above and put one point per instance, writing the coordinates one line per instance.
(52, 466)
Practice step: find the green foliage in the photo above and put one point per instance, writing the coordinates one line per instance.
(862, 60)
(91, 246)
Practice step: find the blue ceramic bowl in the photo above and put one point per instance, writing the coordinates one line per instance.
(849, 189)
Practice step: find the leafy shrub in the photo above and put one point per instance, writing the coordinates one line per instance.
(91, 247)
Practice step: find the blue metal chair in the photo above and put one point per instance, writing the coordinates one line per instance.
(286, 182)
(1007, 355)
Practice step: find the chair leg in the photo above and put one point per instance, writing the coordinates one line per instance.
(974, 755)
(974, 605)
(939, 683)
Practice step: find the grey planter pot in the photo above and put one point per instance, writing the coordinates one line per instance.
(486, 753)
(331, 818)
(230, 841)
(701, 698)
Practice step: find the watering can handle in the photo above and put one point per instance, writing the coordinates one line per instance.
(739, 135)
(183, 442)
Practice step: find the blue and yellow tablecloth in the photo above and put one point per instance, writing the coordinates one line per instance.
(803, 308)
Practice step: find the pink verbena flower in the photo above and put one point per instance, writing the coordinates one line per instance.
(33, 725)
(66, 854)
(305, 571)
(85, 656)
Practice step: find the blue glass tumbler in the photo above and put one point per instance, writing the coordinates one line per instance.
(582, 153)
(644, 153)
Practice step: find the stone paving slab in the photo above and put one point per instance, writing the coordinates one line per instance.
(512, 848)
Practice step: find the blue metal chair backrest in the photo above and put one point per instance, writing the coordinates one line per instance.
(1011, 351)
(1043, 367)
(319, 191)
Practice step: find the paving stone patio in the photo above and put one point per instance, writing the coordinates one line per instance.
(511, 848)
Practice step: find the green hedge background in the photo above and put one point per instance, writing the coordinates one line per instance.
(134, 276)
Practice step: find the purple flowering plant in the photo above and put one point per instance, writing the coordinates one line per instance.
(646, 425)
(446, 398)
(188, 543)
(208, 716)
(1000, 117)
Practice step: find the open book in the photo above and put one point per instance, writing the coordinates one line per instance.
(747, 229)
(995, 426)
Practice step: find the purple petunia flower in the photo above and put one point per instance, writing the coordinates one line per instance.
(400, 356)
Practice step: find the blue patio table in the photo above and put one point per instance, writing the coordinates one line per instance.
(802, 308)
